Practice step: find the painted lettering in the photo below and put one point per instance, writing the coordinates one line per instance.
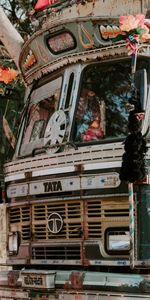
(54, 186)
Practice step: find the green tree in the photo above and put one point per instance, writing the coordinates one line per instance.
(12, 94)
(18, 13)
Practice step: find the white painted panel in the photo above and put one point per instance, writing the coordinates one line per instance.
(17, 190)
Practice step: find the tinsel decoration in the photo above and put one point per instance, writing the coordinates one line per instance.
(133, 161)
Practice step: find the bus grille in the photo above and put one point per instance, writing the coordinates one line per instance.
(82, 219)
(65, 252)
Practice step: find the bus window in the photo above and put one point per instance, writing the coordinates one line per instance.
(44, 102)
(69, 90)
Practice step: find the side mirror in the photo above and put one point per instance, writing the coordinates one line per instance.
(140, 81)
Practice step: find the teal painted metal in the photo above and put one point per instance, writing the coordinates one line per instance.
(143, 223)
(102, 281)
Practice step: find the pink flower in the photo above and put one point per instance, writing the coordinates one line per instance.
(141, 20)
(136, 30)
(146, 35)
(130, 22)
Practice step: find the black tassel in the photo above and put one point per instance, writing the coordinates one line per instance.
(133, 160)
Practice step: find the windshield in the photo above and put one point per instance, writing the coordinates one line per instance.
(97, 114)
(44, 102)
(101, 109)
(101, 112)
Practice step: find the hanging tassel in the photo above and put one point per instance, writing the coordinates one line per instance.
(133, 160)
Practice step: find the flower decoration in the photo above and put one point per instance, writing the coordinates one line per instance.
(7, 74)
(133, 30)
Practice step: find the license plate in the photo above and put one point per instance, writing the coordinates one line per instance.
(38, 280)
(33, 280)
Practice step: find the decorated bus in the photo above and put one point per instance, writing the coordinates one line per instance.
(78, 185)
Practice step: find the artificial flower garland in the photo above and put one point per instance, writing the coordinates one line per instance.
(134, 32)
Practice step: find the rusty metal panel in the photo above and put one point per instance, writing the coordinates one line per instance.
(101, 296)
(15, 294)
(43, 296)
(106, 8)
(2, 236)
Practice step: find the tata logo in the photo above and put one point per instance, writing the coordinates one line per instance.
(55, 223)
(54, 186)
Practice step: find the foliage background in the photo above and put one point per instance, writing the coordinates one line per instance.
(12, 94)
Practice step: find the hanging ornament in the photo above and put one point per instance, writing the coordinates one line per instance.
(134, 31)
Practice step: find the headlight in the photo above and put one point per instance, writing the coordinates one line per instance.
(13, 243)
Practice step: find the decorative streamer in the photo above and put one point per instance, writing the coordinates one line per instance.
(131, 226)
(134, 31)
(133, 160)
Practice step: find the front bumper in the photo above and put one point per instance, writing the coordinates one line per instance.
(73, 285)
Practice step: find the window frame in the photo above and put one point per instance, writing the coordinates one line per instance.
(61, 51)
(41, 82)
(104, 140)
(116, 252)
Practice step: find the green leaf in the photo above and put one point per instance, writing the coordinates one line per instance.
(140, 30)
(120, 37)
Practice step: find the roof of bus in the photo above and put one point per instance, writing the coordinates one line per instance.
(69, 31)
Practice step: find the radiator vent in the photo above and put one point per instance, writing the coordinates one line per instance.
(83, 219)
(65, 252)
(20, 218)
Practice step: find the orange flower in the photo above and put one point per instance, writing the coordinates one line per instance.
(7, 74)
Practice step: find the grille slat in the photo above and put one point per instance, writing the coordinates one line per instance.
(21, 218)
(58, 252)
(71, 214)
